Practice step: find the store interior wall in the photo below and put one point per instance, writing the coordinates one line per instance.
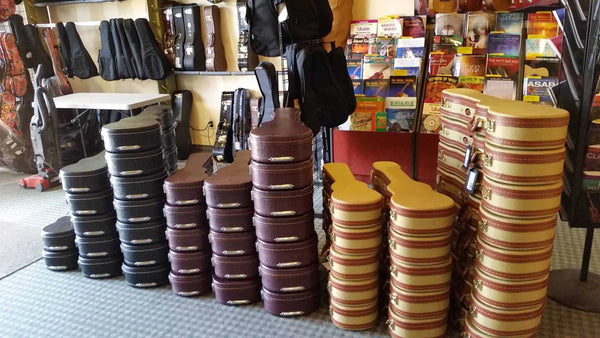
(206, 89)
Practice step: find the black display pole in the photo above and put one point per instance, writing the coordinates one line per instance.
(580, 289)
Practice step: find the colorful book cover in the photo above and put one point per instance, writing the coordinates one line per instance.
(449, 24)
(448, 44)
(538, 90)
(407, 67)
(410, 47)
(377, 88)
(381, 121)
(542, 67)
(503, 67)
(357, 46)
(414, 26)
(502, 88)
(359, 87)
(363, 27)
(399, 120)
(500, 44)
(441, 64)
(403, 86)
(509, 22)
(535, 48)
(477, 30)
(363, 118)
(471, 82)
(389, 27)
(470, 65)
(542, 25)
(430, 119)
(376, 67)
(355, 68)
(384, 46)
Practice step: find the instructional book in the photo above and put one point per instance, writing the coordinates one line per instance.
(470, 65)
(441, 64)
(535, 48)
(430, 119)
(448, 44)
(502, 88)
(500, 44)
(355, 68)
(414, 26)
(377, 88)
(399, 120)
(357, 46)
(542, 67)
(478, 24)
(407, 67)
(389, 27)
(503, 67)
(363, 118)
(536, 90)
(541, 25)
(471, 82)
(449, 24)
(509, 22)
(376, 67)
(384, 46)
(410, 47)
(403, 86)
(363, 27)
(359, 88)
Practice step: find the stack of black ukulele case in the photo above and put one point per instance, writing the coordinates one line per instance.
(184, 48)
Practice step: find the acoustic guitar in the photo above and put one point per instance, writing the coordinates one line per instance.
(470, 5)
(443, 6)
(498, 5)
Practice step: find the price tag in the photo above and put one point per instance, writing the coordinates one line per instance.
(467, 160)
(465, 50)
(531, 98)
(472, 180)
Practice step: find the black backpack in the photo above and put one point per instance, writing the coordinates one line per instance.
(307, 20)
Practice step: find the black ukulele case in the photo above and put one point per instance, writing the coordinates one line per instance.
(89, 175)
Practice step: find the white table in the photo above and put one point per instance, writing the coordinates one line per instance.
(109, 101)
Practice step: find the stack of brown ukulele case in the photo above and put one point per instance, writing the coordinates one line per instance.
(419, 238)
(187, 228)
(235, 261)
(140, 153)
(282, 192)
(502, 163)
(353, 222)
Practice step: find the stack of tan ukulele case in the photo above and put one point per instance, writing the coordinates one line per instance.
(502, 164)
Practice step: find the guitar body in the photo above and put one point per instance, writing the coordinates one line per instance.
(470, 5)
(498, 5)
(443, 6)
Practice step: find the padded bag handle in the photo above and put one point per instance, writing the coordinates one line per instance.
(81, 62)
(153, 58)
(106, 56)
(135, 47)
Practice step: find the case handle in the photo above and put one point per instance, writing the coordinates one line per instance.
(136, 196)
(293, 289)
(188, 271)
(131, 172)
(282, 159)
(228, 205)
(286, 239)
(288, 264)
(144, 263)
(129, 148)
(236, 276)
(78, 190)
(283, 213)
(232, 252)
(145, 285)
(139, 219)
(100, 275)
(187, 248)
(141, 241)
(93, 233)
(291, 313)
(187, 202)
(238, 302)
(188, 293)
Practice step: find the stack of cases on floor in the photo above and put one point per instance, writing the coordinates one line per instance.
(521, 162)
(282, 192)
(459, 155)
(89, 199)
(187, 228)
(230, 210)
(332, 172)
(356, 222)
(421, 222)
(139, 155)
(60, 252)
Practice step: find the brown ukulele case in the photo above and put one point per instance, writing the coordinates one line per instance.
(138, 187)
(237, 267)
(283, 140)
(184, 187)
(236, 292)
(353, 291)
(523, 167)
(229, 187)
(287, 255)
(509, 294)
(353, 317)
(290, 280)
(281, 176)
(89, 175)
(230, 220)
(139, 211)
(400, 326)
(189, 263)
(188, 239)
(291, 304)
(142, 233)
(232, 244)
(190, 285)
(188, 217)
(283, 203)
(284, 229)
